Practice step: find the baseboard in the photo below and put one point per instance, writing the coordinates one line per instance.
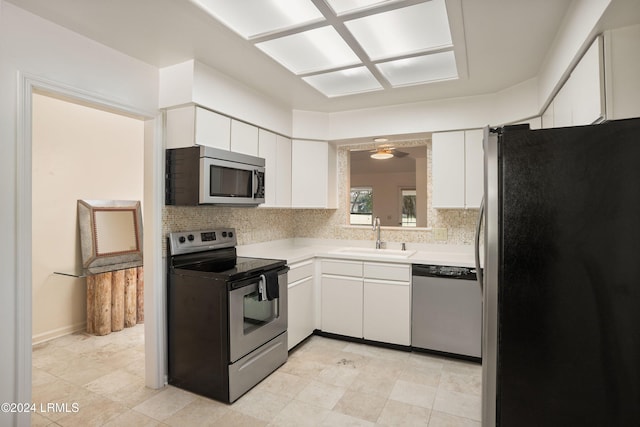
(57, 333)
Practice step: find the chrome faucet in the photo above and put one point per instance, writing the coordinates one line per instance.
(376, 228)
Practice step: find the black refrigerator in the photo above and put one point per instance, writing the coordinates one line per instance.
(561, 325)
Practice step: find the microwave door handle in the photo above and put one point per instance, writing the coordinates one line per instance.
(254, 188)
(258, 184)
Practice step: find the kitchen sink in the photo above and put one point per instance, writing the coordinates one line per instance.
(374, 253)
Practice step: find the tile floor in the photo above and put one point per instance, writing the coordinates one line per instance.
(99, 381)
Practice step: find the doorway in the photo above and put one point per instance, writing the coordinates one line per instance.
(78, 152)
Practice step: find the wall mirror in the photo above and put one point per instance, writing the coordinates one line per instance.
(110, 232)
(393, 188)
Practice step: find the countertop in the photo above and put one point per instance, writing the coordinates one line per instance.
(301, 249)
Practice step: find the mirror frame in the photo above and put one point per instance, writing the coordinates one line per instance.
(88, 232)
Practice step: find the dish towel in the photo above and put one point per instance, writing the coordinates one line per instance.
(270, 281)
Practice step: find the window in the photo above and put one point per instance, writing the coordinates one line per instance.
(408, 206)
(361, 206)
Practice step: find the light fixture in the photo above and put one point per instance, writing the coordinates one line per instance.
(337, 47)
(380, 139)
(382, 154)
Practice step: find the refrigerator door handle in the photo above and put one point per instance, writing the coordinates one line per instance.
(479, 274)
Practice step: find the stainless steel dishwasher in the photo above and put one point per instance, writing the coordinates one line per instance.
(446, 310)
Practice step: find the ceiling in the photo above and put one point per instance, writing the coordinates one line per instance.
(167, 32)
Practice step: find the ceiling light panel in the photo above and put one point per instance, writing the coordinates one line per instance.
(250, 18)
(310, 51)
(408, 30)
(344, 82)
(420, 69)
(343, 6)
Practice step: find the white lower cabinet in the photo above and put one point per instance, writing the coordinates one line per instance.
(369, 300)
(342, 305)
(387, 311)
(300, 309)
(387, 303)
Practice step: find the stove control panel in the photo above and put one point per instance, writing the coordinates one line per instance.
(183, 242)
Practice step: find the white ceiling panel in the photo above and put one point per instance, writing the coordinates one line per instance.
(310, 51)
(343, 6)
(344, 82)
(420, 69)
(250, 18)
(417, 28)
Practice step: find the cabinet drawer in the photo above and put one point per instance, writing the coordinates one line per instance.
(342, 268)
(384, 271)
(300, 270)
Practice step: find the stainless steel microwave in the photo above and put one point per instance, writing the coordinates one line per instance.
(210, 176)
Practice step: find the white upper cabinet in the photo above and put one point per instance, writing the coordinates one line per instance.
(587, 87)
(313, 174)
(283, 171)
(580, 100)
(267, 149)
(244, 138)
(448, 170)
(276, 150)
(188, 126)
(622, 68)
(457, 169)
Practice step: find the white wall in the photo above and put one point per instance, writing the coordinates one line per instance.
(31, 45)
(512, 104)
(78, 153)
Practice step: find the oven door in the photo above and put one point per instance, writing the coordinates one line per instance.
(253, 322)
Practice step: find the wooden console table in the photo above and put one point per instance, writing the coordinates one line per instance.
(115, 297)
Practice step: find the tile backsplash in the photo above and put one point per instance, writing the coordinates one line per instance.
(255, 225)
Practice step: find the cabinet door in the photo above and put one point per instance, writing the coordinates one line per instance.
(562, 106)
(244, 138)
(283, 171)
(300, 311)
(587, 96)
(474, 168)
(268, 150)
(312, 174)
(212, 129)
(180, 127)
(448, 170)
(387, 311)
(622, 68)
(342, 305)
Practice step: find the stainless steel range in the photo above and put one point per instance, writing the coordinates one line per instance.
(227, 315)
